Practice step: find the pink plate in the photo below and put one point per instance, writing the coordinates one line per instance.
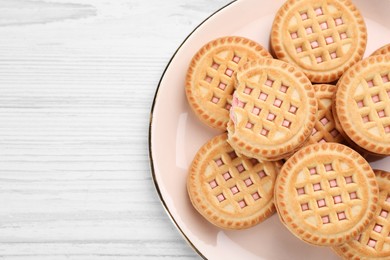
(176, 135)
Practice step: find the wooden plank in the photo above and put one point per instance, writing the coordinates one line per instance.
(77, 79)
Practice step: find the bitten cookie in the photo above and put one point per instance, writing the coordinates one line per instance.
(326, 194)
(323, 38)
(209, 81)
(274, 110)
(363, 104)
(374, 241)
(231, 192)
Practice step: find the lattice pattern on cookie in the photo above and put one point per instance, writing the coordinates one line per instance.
(325, 129)
(236, 179)
(218, 77)
(372, 99)
(319, 35)
(328, 192)
(272, 104)
(377, 234)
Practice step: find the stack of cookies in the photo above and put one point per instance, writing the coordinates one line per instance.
(298, 128)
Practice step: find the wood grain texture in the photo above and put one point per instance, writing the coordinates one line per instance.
(77, 80)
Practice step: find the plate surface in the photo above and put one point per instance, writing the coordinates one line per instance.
(176, 135)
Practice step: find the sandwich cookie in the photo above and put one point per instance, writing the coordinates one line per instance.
(374, 241)
(323, 38)
(231, 192)
(209, 81)
(363, 104)
(326, 194)
(273, 112)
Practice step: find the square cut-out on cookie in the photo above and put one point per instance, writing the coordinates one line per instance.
(299, 49)
(240, 168)
(236, 59)
(249, 125)
(378, 228)
(385, 79)
(213, 184)
(337, 199)
(229, 72)
(333, 55)
(321, 203)
(222, 86)
(219, 162)
(329, 40)
(232, 155)
(263, 96)
(305, 206)
(215, 99)
(228, 106)
(256, 196)
(215, 66)
(343, 36)
(317, 187)
(324, 26)
(301, 191)
(371, 243)
(319, 59)
(324, 121)
(375, 98)
(293, 109)
(278, 103)
(384, 213)
(227, 176)
(248, 90)
(286, 123)
(313, 170)
(294, 35)
(248, 182)
(304, 16)
(387, 129)
(208, 79)
(309, 30)
(353, 195)
(334, 132)
(341, 215)
(264, 132)
(318, 11)
(370, 83)
(314, 44)
(338, 21)
(381, 113)
(234, 190)
(221, 197)
(242, 204)
(360, 104)
(328, 167)
(325, 219)
(283, 88)
(366, 119)
(269, 82)
(256, 110)
(271, 117)
(348, 179)
(262, 174)
(254, 161)
(333, 183)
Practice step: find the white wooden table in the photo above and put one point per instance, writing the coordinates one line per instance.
(77, 80)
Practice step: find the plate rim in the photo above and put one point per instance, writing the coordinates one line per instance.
(151, 162)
